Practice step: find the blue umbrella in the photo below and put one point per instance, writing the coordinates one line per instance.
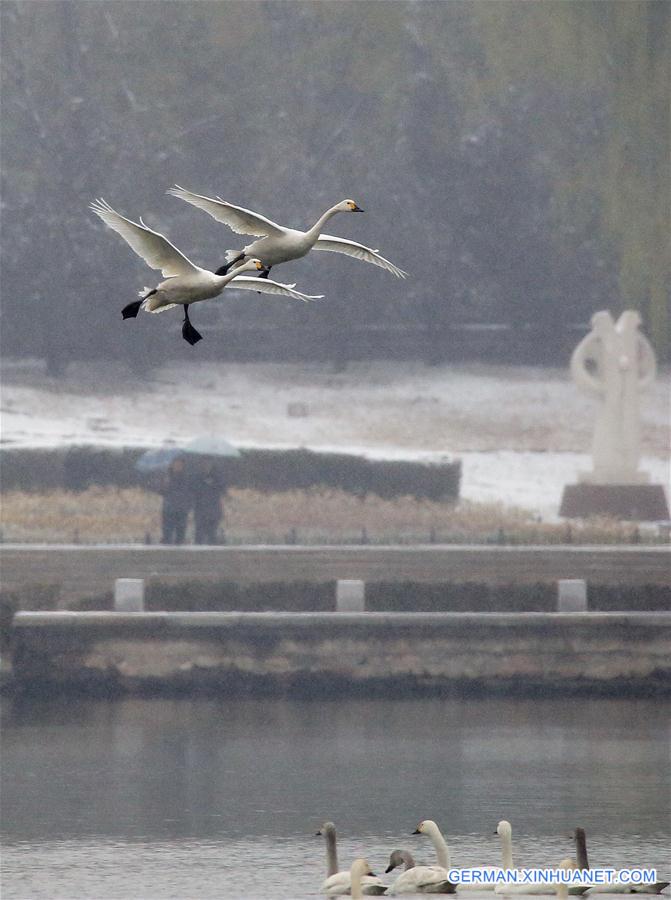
(157, 460)
(210, 446)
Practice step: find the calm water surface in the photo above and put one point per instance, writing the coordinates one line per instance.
(154, 799)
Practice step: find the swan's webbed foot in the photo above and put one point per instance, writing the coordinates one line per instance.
(224, 270)
(189, 333)
(131, 311)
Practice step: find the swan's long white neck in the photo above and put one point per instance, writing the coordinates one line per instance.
(356, 890)
(507, 849)
(331, 852)
(316, 229)
(230, 275)
(439, 843)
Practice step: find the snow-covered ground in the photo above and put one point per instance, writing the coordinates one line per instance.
(522, 433)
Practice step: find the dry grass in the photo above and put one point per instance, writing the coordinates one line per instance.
(126, 515)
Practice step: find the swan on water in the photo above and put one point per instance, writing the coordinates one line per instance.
(505, 832)
(185, 283)
(430, 828)
(278, 244)
(417, 879)
(336, 882)
(615, 887)
(359, 872)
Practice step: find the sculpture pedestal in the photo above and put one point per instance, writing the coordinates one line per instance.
(643, 502)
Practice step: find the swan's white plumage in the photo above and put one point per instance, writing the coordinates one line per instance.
(155, 249)
(185, 282)
(358, 251)
(278, 244)
(505, 832)
(419, 880)
(238, 219)
(268, 286)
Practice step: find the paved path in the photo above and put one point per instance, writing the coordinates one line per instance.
(83, 570)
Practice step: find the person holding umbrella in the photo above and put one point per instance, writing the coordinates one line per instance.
(207, 488)
(177, 502)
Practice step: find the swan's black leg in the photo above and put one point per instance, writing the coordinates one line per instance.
(223, 270)
(189, 333)
(130, 311)
(264, 274)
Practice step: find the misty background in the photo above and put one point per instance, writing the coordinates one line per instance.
(512, 157)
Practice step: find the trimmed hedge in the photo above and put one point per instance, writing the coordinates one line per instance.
(77, 468)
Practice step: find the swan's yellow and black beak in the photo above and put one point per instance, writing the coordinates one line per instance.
(318, 833)
(417, 831)
(356, 208)
(389, 868)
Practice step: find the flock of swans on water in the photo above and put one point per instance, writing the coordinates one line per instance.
(186, 283)
(420, 879)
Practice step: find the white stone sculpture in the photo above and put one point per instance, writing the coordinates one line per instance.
(615, 362)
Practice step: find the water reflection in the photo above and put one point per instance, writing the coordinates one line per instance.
(220, 776)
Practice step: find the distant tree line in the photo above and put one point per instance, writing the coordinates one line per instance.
(514, 158)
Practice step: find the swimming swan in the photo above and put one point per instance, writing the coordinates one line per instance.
(278, 244)
(417, 879)
(185, 282)
(430, 828)
(615, 887)
(505, 832)
(336, 882)
(359, 871)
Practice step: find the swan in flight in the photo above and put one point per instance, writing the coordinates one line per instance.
(278, 244)
(185, 283)
(336, 882)
(615, 887)
(417, 879)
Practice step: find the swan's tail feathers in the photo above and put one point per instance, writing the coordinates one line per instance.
(153, 303)
(146, 292)
(656, 888)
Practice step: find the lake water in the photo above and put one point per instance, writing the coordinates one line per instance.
(156, 799)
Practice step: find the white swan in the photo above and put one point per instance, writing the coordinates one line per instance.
(185, 283)
(359, 871)
(336, 882)
(430, 828)
(278, 244)
(417, 879)
(615, 887)
(505, 832)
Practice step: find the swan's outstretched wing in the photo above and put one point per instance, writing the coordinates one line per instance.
(268, 286)
(239, 220)
(358, 251)
(155, 250)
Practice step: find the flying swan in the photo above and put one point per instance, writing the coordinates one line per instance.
(185, 283)
(336, 882)
(278, 244)
(417, 879)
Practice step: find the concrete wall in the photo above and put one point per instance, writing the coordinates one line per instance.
(317, 654)
(81, 571)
